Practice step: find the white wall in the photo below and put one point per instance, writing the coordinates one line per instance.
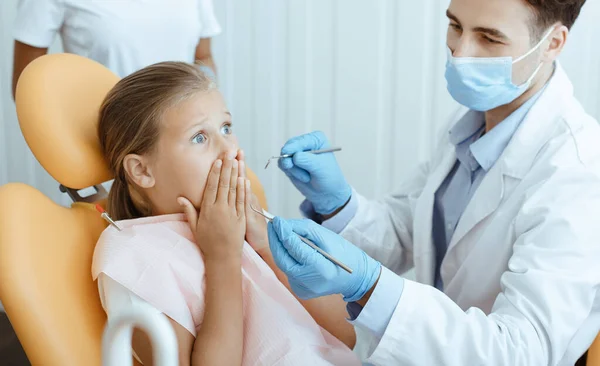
(368, 73)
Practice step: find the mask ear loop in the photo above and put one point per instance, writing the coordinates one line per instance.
(536, 46)
(530, 80)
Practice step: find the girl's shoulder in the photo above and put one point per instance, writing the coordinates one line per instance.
(154, 229)
(144, 242)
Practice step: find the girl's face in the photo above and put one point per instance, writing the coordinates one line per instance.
(193, 134)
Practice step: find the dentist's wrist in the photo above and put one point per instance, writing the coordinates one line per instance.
(365, 299)
(367, 282)
(327, 217)
(333, 202)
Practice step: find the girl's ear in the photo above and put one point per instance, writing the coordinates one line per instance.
(138, 170)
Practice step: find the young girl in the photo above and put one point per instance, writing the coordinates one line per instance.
(167, 136)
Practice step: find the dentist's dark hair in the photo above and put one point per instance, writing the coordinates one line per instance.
(130, 124)
(548, 12)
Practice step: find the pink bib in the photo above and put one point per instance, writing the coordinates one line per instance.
(157, 259)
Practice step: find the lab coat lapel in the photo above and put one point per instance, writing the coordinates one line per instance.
(423, 234)
(484, 202)
(537, 128)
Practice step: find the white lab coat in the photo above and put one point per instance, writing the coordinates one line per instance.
(522, 272)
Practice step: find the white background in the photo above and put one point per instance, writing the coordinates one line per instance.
(368, 73)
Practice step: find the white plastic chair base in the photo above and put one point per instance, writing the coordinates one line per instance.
(116, 340)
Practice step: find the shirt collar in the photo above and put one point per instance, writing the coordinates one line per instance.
(475, 150)
(488, 149)
(464, 133)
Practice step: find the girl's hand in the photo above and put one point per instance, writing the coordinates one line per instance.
(256, 225)
(220, 226)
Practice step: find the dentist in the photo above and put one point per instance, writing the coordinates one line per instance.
(501, 226)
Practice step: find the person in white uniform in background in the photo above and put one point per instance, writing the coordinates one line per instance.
(501, 225)
(124, 35)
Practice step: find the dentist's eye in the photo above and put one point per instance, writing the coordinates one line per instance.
(456, 27)
(199, 138)
(489, 40)
(227, 129)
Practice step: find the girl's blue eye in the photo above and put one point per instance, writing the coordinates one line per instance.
(199, 138)
(227, 129)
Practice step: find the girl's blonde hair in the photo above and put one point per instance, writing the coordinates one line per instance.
(129, 124)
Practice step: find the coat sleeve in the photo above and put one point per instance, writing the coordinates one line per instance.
(547, 292)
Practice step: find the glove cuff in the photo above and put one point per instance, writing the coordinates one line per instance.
(333, 202)
(369, 275)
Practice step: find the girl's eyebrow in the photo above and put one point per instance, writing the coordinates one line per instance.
(201, 123)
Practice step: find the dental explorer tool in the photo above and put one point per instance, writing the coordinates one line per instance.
(106, 217)
(310, 244)
(323, 151)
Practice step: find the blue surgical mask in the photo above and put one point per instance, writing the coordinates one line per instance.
(483, 84)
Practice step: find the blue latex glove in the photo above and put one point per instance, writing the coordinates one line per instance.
(312, 275)
(317, 176)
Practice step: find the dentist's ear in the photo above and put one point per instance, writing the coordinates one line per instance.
(139, 171)
(558, 39)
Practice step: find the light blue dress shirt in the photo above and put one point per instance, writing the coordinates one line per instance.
(476, 153)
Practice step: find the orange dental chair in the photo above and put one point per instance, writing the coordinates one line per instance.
(46, 250)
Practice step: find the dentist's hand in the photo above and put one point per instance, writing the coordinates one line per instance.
(317, 176)
(312, 275)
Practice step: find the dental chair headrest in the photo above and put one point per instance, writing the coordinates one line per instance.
(58, 99)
